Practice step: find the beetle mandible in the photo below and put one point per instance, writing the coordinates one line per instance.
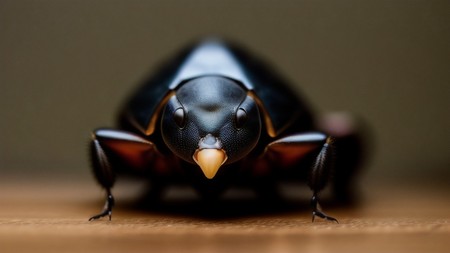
(216, 116)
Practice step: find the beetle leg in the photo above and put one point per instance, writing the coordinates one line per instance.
(109, 147)
(319, 176)
(289, 151)
(350, 141)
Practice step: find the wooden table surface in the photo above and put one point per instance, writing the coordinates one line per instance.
(51, 215)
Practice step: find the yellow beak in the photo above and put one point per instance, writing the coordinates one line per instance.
(210, 160)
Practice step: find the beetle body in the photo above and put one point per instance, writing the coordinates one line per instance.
(216, 116)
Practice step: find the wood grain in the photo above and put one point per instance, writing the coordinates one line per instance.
(51, 216)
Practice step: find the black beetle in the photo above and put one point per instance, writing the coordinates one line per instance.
(216, 116)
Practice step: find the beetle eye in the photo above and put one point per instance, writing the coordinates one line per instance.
(241, 117)
(179, 118)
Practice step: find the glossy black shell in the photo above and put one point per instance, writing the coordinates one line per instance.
(213, 57)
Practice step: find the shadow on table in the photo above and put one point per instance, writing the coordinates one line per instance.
(235, 204)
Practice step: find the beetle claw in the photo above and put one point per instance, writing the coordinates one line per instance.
(317, 212)
(107, 209)
(100, 215)
(323, 216)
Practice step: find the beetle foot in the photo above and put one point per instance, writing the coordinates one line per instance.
(107, 209)
(317, 212)
(323, 216)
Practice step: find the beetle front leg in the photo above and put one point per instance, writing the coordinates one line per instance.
(319, 177)
(104, 175)
(111, 148)
(350, 142)
(290, 150)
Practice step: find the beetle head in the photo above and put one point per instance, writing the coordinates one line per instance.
(211, 121)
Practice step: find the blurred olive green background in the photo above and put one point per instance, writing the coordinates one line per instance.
(65, 66)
